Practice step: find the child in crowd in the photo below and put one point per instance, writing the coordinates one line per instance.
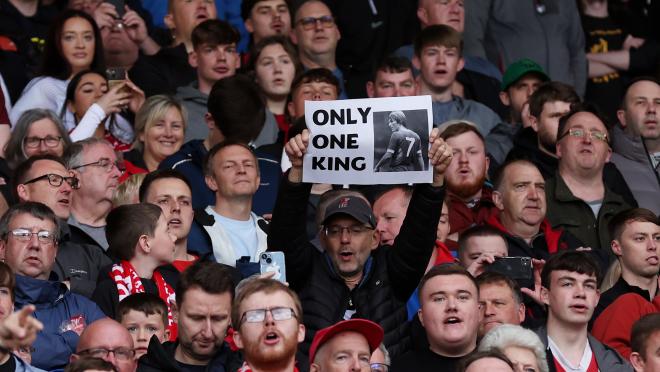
(144, 315)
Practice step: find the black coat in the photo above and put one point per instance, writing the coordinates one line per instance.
(391, 274)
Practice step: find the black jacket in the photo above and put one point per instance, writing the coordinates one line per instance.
(390, 275)
(160, 358)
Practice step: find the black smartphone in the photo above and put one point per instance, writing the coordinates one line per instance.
(119, 6)
(519, 269)
(115, 76)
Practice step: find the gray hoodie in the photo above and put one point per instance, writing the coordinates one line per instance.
(195, 103)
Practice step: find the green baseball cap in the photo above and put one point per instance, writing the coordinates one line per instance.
(518, 69)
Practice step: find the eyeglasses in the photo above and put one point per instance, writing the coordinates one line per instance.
(581, 133)
(258, 315)
(121, 353)
(56, 180)
(309, 23)
(25, 235)
(335, 231)
(380, 367)
(34, 142)
(104, 163)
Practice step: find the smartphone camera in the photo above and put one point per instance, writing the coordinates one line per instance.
(266, 258)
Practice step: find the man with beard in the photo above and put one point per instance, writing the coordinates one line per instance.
(203, 301)
(470, 198)
(267, 320)
(404, 151)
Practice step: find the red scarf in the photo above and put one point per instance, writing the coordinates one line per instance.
(128, 282)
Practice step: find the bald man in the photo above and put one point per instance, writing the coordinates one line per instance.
(108, 340)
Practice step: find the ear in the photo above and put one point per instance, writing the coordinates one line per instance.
(461, 64)
(314, 368)
(291, 108)
(497, 199)
(23, 192)
(487, 164)
(637, 361)
(210, 122)
(301, 333)
(505, 99)
(417, 63)
(558, 148)
(545, 296)
(533, 121)
(422, 15)
(168, 19)
(73, 358)
(248, 25)
(175, 314)
(375, 239)
(521, 312)
(166, 335)
(143, 244)
(192, 59)
(616, 248)
(370, 89)
(210, 183)
(3, 250)
(621, 115)
(238, 62)
(238, 340)
(292, 36)
(609, 154)
(420, 316)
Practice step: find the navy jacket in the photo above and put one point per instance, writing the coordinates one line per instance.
(55, 304)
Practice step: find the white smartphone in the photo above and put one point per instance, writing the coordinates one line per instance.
(273, 262)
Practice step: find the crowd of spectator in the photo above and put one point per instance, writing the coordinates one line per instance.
(151, 156)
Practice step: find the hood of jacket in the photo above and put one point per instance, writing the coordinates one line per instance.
(41, 293)
(629, 145)
(191, 92)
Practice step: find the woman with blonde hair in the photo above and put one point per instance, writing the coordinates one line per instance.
(160, 125)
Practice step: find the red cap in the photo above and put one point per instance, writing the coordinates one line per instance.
(370, 330)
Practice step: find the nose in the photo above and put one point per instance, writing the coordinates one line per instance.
(110, 358)
(489, 309)
(207, 330)
(532, 193)
(451, 303)
(653, 244)
(345, 236)
(317, 25)
(168, 131)
(142, 334)
(380, 226)
(462, 157)
(355, 364)
(316, 96)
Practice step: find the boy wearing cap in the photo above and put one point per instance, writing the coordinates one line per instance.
(520, 80)
(346, 345)
(352, 276)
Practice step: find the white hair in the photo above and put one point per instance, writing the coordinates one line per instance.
(507, 335)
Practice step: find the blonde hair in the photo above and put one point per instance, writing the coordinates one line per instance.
(611, 276)
(127, 191)
(154, 109)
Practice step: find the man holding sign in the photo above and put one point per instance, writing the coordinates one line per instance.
(404, 152)
(354, 277)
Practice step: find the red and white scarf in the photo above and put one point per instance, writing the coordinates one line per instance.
(128, 282)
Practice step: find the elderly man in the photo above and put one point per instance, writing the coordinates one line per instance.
(108, 340)
(345, 345)
(29, 238)
(579, 201)
(352, 262)
(94, 163)
(46, 180)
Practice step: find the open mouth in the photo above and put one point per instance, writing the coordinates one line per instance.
(346, 255)
(271, 338)
(174, 222)
(579, 308)
(64, 201)
(452, 320)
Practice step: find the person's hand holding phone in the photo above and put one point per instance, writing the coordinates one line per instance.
(115, 99)
(135, 27)
(478, 266)
(536, 293)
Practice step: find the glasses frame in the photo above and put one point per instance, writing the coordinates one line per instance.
(108, 351)
(107, 167)
(353, 230)
(73, 181)
(270, 310)
(327, 21)
(587, 133)
(49, 239)
(44, 140)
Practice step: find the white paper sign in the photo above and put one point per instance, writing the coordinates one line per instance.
(368, 141)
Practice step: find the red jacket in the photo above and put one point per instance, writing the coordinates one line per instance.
(461, 217)
(614, 324)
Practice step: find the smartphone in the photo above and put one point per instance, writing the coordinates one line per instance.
(273, 262)
(119, 6)
(115, 76)
(519, 269)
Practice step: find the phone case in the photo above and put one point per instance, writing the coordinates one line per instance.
(273, 262)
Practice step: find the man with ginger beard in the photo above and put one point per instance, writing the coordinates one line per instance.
(469, 198)
(267, 319)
